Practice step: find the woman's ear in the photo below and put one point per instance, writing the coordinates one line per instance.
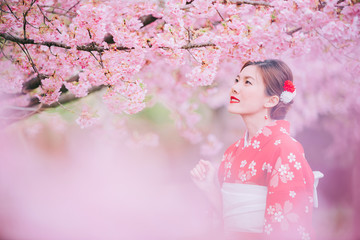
(272, 101)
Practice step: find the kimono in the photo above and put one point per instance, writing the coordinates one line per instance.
(276, 161)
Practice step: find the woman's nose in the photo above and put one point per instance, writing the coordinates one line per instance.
(235, 89)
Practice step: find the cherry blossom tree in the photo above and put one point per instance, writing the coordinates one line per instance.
(182, 54)
(179, 53)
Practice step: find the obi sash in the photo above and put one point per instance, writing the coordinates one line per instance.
(243, 207)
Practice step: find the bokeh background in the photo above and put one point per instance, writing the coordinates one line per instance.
(127, 177)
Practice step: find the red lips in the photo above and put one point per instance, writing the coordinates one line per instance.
(234, 100)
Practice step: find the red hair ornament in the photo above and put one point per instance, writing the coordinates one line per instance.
(289, 92)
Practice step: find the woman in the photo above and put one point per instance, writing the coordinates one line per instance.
(264, 186)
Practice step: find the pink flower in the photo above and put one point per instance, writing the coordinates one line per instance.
(126, 97)
(50, 90)
(86, 119)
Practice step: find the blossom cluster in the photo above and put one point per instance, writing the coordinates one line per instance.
(178, 49)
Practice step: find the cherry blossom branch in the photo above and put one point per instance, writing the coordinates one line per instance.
(250, 2)
(52, 9)
(147, 19)
(189, 34)
(88, 47)
(3, 53)
(13, 114)
(24, 16)
(99, 61)
(294, 31)
(35, 82)
(192, 55)
(63, 99)
(73, 6)
(45, 17)
(3, 10)
(198, 45)
(237, 2)
(24, 49)
(336, 47)
(24, 26)
(1, 6)
(11, 10)
(220, 14)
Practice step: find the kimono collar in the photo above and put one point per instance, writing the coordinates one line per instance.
(273, 129)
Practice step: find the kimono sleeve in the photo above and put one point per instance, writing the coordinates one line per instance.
(289, 203)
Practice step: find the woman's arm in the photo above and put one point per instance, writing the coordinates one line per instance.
(205, 178)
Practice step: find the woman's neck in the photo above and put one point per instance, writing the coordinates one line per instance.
(255, 123)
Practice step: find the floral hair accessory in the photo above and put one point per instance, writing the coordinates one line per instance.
(289, 92)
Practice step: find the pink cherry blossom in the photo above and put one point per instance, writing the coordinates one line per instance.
(189, 54)
(50, 90)
(86, 119)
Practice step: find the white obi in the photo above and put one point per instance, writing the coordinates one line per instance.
(243, 207)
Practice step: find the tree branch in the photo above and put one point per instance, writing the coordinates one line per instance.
(36, 81)
(24, 15)
(73, 6)
(99, 61)
(27, 54)
(52, 9)
(294, 30)
(192, 56)
(69, 97)
(336, 47)
(11, 11)
(237, 2)
(12, 114)
(47, 18)
(88, 47)
(198, 45)
(24, 26)
(31, 41)
(1, 6)
(147, 19)
(250, 2)
(220, 14)
(33, 83)
(63, 99)
(4, 54)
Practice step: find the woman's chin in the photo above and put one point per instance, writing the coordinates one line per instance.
(232, 109)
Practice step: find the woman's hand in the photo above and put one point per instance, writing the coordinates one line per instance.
(204, 175)
(205, 178)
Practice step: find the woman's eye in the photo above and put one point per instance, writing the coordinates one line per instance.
(236, 80)
(248, 82)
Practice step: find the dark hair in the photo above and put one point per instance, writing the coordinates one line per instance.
(275, 73)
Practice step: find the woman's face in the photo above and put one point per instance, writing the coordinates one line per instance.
(247, 95)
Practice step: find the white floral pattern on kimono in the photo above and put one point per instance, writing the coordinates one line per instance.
(273, 159)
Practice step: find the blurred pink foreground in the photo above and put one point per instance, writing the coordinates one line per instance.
(88, 186)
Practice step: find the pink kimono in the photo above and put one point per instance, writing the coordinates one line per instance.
(275, 160)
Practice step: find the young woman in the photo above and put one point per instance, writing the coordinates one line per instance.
(264, 186)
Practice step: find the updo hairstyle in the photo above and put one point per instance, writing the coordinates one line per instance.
(274, 73)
